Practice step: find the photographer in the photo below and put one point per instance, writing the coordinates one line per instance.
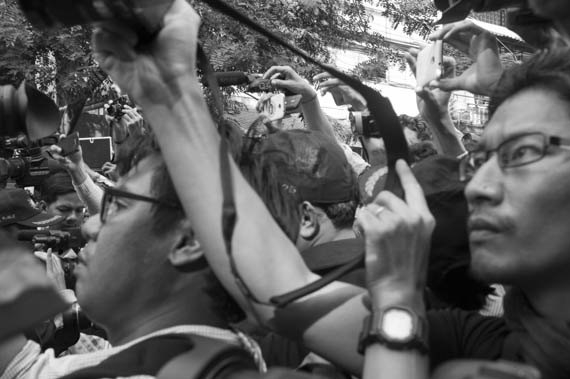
(126, 126)
(285, 78)
(433, 105)
(83, 193)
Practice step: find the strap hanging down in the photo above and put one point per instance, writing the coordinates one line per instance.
(383, 114)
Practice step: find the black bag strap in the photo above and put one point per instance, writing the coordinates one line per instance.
(209, 359)
(159, 356)
(381, 110)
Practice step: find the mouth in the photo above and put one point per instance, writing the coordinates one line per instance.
(481, 228)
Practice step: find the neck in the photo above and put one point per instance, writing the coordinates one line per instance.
(130, 327)
(563, 27)
(332, 234)
(550, 302)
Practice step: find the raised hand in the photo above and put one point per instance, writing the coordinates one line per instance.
(484, 74)
(397, 238)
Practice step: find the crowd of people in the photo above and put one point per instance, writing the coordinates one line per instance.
(201, 225)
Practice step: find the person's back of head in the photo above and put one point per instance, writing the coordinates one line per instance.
(300, 173)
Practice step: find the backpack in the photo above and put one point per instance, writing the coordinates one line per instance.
(172, 356)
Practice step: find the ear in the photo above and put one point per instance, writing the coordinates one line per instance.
(310, 227)
(187, 250)
(42, 205)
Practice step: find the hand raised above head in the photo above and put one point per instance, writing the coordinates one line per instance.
(481, 46)
(145, 72)
(284, 77)
(397, 237)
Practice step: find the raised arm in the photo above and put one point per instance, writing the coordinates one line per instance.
(481, 46)
(284, 77)
(433, 104)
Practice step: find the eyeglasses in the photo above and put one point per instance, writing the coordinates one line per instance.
(514, 152)
(109, 204)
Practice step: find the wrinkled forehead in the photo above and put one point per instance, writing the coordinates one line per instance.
(529, 111)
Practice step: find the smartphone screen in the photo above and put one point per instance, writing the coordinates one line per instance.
(274, 108)
(429, 65)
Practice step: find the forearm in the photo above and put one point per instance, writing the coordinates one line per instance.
(315, 118)
(446, 138)
(89, 193)
(382, 362)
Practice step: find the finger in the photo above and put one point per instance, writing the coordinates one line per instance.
(368, 223)
(411, 60)
(391, 203)
(449, 65)
(41, 255)
(275, 70)
(278, 83)
(414, 52)
(322, 76)
(439, 34)
(447, 84)
(413, 191)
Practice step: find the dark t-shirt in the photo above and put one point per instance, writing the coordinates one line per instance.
(457, 334)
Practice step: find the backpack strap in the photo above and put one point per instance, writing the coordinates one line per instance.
(144, 358)
(209, 359)
(172, 356)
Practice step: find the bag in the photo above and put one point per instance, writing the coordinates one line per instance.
(172, 356)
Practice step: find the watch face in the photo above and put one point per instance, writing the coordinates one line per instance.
(398, 324)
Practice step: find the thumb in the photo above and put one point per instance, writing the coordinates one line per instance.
(450, 84)
(279, 83)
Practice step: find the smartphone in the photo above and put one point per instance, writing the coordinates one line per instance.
(274, 108)
(293, 104)
(69, 144)
(429, 65)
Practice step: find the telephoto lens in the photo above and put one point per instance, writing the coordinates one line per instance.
(143, 16)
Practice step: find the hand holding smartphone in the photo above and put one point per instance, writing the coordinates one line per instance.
(429, 64)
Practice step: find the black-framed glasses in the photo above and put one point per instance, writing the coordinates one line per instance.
(109, 205)
(514, 152)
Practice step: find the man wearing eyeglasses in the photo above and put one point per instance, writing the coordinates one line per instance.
(518, 199)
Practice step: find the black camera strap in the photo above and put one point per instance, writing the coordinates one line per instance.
(383, 114)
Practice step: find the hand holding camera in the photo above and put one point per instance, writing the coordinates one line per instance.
(147, 75)
(285, 78)
(433, 103)
(482, 77)
(342, 94)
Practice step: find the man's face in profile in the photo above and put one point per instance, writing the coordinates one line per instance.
(124, 260)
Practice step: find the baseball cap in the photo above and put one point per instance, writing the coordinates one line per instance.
(311, 165)
(16, 207)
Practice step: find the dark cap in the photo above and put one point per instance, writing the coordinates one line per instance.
(311, 165)
(16, 207)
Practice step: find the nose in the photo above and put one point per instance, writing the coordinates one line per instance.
(486, 186)
(90, 228)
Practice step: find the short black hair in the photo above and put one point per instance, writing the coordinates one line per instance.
(548, 69)
(55, 185)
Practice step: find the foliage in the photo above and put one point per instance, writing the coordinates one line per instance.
(52, 60)
(416, 16)
(60, 61)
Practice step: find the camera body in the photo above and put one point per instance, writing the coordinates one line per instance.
(114, 108)
(363, 125)
(26, 163)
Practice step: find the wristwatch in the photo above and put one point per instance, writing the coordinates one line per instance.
(397, 328)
